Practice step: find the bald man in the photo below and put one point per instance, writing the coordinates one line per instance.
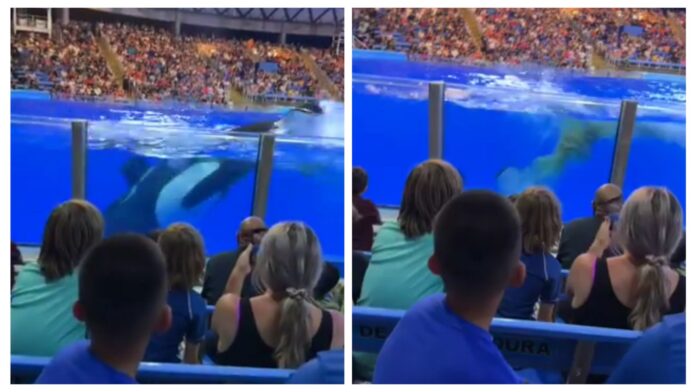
(578, 235)
(218, 269)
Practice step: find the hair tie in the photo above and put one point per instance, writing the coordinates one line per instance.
(656, 261)
(296, 293)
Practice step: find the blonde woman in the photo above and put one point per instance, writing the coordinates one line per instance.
(282, 327)
(635, 289)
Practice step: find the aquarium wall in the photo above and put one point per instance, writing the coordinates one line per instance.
(148, 167)
(509, 128)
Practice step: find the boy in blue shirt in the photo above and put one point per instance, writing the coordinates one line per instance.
(444, 338)
(326, 368)
(122, 300)
(658, 357)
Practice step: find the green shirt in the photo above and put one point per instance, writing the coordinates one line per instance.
(396, 278)
(42, 313)
(398, 275)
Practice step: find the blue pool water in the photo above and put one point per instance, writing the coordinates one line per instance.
(142, 158)
(506, 129)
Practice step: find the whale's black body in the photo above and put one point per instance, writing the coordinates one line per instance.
(137, 210)
(309, 108)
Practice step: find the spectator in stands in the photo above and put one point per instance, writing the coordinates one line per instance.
(360, 263)
(158, 66)
(42, 299)
(184, 254)
(155, 235)
(635, 289)
(540, 215)
(398, 275)
(326, 368)
(658, 357)
(578, 235)
(324, 290)
(368, 215)
(444, 338)
(282, 327)
(16, 263)
(219, 267)
(678, 260)
(122, 300)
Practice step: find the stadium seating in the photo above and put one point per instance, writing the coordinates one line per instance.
(26, 369)
(578, 350)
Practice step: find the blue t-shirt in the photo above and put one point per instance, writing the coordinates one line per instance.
(326, 368)
(432, 345)
(76, 364)
(658, 357)
(189, 321)
(543, 283)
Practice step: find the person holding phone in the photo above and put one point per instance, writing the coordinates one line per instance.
(219, 267)
(578, 235)
(282, 327)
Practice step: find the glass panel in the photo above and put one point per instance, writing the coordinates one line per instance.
(507, 142)
(307, 185)
(143, 178)
(390, 132)
(40, 166)
(658, 150)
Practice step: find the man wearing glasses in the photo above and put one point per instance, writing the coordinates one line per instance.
(578, 235)
(219, 267)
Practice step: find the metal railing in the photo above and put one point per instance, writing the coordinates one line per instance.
(648, 65)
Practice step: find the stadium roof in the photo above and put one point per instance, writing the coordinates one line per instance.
(319, 16)
(304, 21)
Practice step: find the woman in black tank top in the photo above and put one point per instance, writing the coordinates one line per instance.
(649, 230)
(603, 309)
(283, 333)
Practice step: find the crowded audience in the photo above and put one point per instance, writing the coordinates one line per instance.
(159, 66)
(427, 32)
(70, 61)
(556, 37)
(495, 258)
(99, 307)
(332, 62)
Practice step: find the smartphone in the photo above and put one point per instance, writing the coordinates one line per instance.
(613, 218)
(252, 256)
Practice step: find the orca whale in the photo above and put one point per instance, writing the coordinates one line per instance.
(171, 191)
(174, 189)
(575, 144)
(309, 108)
